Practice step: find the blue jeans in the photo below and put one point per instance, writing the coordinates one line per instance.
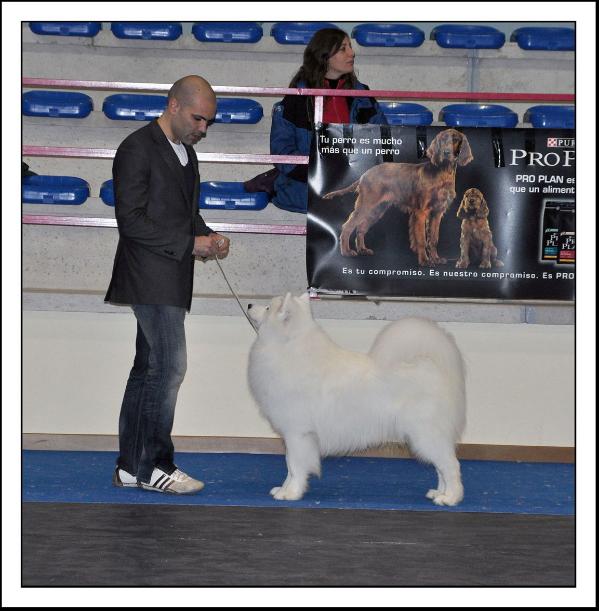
(148, 408)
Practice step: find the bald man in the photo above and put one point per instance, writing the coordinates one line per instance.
(156, 184)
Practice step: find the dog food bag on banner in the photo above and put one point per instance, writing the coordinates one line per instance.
(550, 236)
(567, 234)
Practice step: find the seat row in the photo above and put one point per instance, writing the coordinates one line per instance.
(128, 106)
(141, 107)
(366, 34)
(71, 190)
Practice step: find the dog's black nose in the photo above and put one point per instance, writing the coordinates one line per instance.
(249, 306)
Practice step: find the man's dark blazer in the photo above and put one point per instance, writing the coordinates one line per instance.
(157, 222)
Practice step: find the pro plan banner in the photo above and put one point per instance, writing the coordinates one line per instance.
(439, 212)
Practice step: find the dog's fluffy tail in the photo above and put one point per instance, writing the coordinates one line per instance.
(333, 194)
(411, 340)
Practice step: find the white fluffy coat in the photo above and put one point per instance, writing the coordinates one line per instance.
(325, 400)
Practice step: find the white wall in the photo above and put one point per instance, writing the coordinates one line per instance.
(75, 365)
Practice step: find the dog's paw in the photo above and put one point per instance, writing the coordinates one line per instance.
(432, 493)
(446, 499)
(282, 493)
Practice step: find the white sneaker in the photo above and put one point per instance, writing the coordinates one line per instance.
(122, 479)
(175, 483)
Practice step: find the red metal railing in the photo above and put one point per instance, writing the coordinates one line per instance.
(95, 153)
(88, 221)
(59, 151)
(468, 96)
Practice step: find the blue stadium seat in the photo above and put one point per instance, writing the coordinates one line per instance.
(237, 110)
(478, 115)
(388, 35)
(107, 192)
(70, 104)
(65, 28)
(544, 38)
(227, 31)
(297, 32)
(230, 196)
(215, 195)
(134, 106)
(61, 190)
(456, 36)
(147, 30)
(406, 113)
(551, 116)
(140, 107)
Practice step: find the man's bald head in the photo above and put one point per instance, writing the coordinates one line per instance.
(190, 109)
(190, 88)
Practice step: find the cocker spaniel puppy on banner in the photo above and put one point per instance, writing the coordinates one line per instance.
(476, 239)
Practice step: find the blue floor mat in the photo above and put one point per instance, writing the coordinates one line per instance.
(346, 483)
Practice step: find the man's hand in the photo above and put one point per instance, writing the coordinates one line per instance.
(211, 245)
(222, 245)
(204, 246)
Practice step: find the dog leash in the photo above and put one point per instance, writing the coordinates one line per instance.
(235, 295)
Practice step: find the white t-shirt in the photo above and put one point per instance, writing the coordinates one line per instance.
(181, 152)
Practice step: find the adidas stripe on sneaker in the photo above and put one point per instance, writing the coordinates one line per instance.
(177, 482)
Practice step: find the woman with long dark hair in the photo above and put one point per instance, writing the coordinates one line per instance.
(328, 64)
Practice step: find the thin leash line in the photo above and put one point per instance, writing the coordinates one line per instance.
(235, 295)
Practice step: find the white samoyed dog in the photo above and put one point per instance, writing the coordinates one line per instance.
(324, 400)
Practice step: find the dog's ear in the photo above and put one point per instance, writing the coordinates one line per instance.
(483, 209)
(283, 313)
(303, 301)
(461, 214)
(432, 152)
(465, 154)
